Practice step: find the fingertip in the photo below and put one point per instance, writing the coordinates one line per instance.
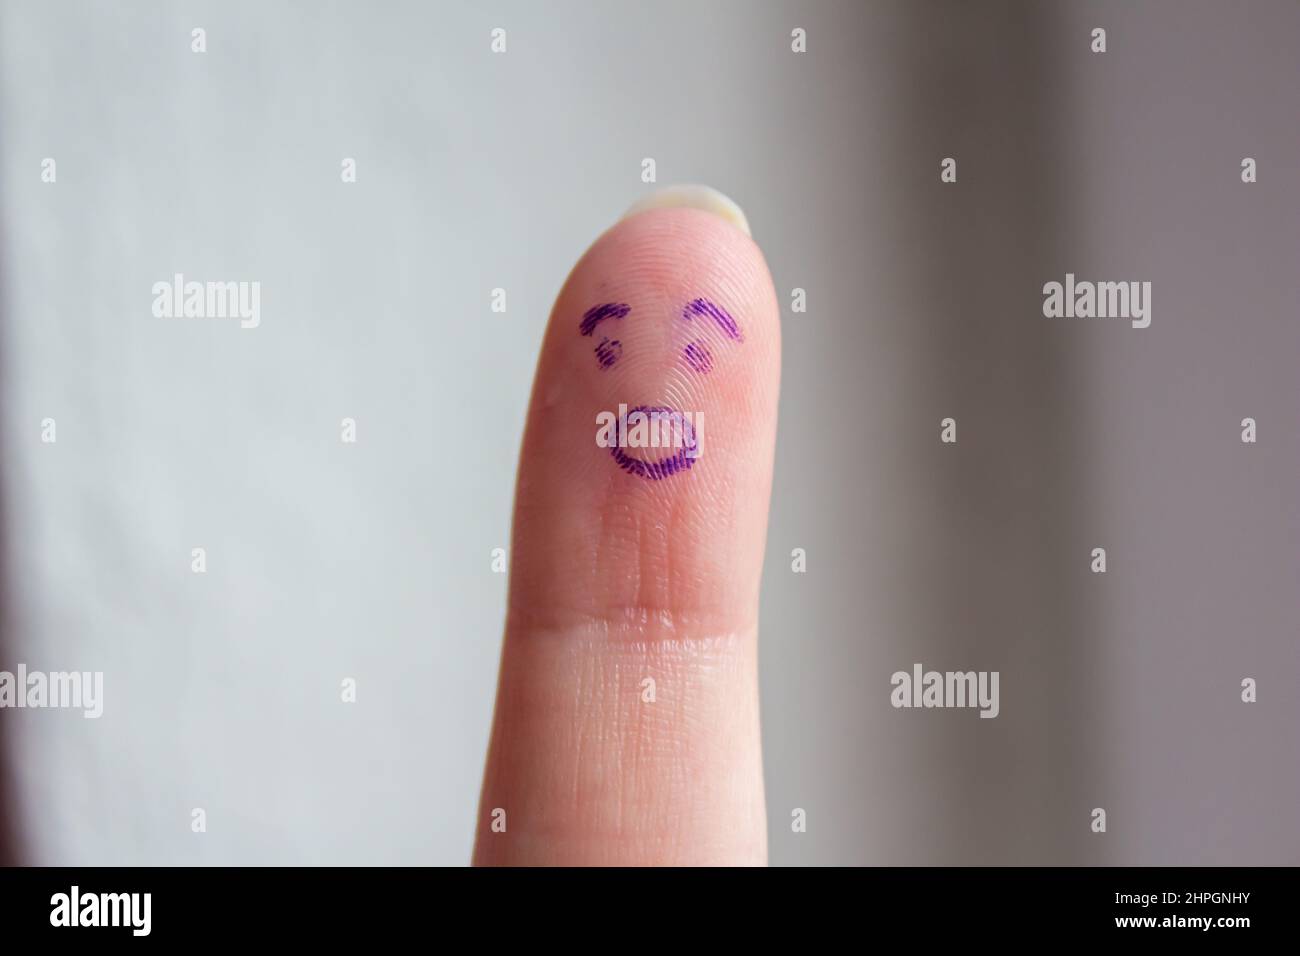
(693, 196)
(671, 310)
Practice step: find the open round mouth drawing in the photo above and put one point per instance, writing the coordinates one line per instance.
(667, 427)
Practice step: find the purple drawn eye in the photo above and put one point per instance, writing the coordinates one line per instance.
(599, 313)
(707, 309)
(698, 357)
(608, 352)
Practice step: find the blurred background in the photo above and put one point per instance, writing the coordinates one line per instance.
(478, 171)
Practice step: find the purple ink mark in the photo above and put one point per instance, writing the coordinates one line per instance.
(664, 467)
(698, 357)
(599, 313)
(608, 352)
(717, 313)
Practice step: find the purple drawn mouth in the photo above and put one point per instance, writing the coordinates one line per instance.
(659, 469)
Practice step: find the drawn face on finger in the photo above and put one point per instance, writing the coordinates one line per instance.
(643, 426)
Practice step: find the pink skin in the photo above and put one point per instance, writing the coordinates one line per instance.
(615, 580)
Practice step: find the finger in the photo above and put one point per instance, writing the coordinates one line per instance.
(627, 719)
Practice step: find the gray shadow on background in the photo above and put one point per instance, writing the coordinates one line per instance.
(963, 557)
(1011, 573)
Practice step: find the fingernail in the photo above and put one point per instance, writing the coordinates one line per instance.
(693, 197)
